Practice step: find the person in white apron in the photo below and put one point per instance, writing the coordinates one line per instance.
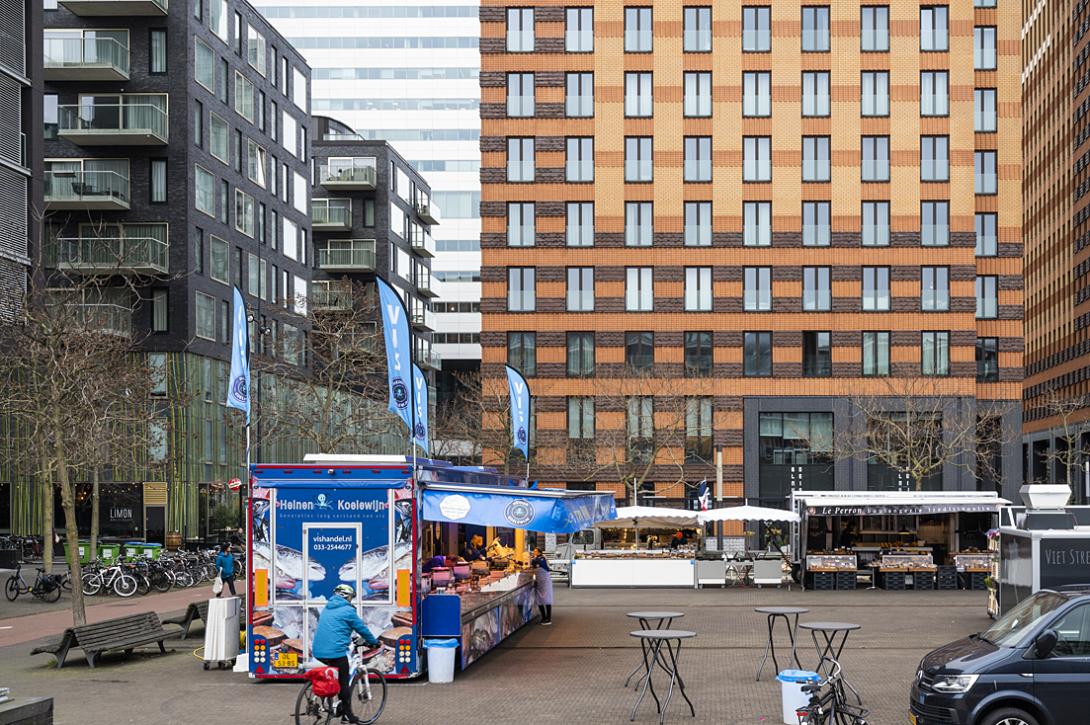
(543, 586)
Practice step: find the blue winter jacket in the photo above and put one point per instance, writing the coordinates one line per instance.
(335, 626)
(225, 564)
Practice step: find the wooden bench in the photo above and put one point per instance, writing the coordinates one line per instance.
(123, 633)
(195, 611)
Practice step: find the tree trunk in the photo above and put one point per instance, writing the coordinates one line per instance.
(47, 514)
(94, 512)
(71, 528)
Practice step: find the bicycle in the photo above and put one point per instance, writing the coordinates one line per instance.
(368, 688)
(829, 702)
(114, 577)
(46, 587)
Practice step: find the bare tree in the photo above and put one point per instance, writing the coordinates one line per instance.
(916, 428)
(1070, 413)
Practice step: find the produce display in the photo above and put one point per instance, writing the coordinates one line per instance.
(907, 562)
(831, 561)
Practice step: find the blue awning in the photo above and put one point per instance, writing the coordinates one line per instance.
(551, 511)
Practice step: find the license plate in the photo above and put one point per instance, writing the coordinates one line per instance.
(286, 661)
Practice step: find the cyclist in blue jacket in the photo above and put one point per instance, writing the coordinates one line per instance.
(332, 637)
(225, 567)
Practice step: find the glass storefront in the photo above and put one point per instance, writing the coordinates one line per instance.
(796, 452)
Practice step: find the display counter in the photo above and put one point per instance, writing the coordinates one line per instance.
(636, 568)
(493, 613)
(831, 562)
(974, 561)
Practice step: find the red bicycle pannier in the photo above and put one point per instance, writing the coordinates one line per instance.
(323, 680)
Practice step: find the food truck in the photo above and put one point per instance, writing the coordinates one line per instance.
(372, 522)
(1042, 549)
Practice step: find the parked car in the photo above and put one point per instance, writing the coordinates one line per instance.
(1031, 667)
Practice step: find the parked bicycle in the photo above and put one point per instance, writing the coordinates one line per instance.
(46, 587)
(829, 703)
(29, 547)
(368, 690)
(118, 578)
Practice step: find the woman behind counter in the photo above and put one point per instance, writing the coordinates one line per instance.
(543, 586)
(475, 549)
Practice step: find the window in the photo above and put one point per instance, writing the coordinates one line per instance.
(934, 158)
(637, 30)
(984, 162)
(698, 158)
(579, 99)
(256, 163)
(984, 116)
(815, 158)
(698, 223)
(522, 352)
(255, 49)
(875, 354)
(159, 315)
(984, 48)
(204, 65)
(581, 418)
(933, 28)
(204, 191)
(698, 430)
(157, 173)
(579, 30)
(639, 351)
(520, 30)
(245, 212)
(51, 115)
(987, 359)
(756, 29)
(815, 93)
(639, 289)
(983, 3)
(157, 52)
(206, 317)
(198, 251)
(935, 353)
(217, 18)
(874, 28)
(698, 354)
(220, 267)
(756, 93)
(521, 289)
(757, 223)
(580, 354)
(986, 240)
(934, 93)
(224, 195)
(221, 80)
(817, 355)
(520, 224)
(580, 289)
(935, 223)
(875, 152)
(640, 427)
(579, 160)
(244, 97)
(638, 164)
(816, 289)
(875, 288)
(638, 224)
(757, 289)
(987, 297)
(520, 94)
(697, 30)
(815, 29)
(698, 94)
(238, 33)
(580, 224)
(520, 159)
(638, 102)
(253, 274)
(815, 224)
(875, 223)
(698, 289)
(757, 354)
(218, 138)
(874, 98)
(756, 158)
(934, 289)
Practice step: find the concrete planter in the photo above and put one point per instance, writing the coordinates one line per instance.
(1045, 495)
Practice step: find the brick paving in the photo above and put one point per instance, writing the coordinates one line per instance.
(569, 673)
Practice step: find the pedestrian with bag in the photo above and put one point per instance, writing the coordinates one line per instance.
(225, 571)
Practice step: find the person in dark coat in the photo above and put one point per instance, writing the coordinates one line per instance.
(543, 586)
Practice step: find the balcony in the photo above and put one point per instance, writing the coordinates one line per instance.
(428, 359)
(331, 214)
(117, 255)
(347, 255)
(421, 316)
(90, 190)
(115, 124)
(116, 8)
(427, 210)
(330, 296)
(424, 282)
(422, 242)
(350, 174)
(85, 59)
(109, 319)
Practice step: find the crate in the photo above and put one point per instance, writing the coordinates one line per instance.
(975, 580)
(845, 580)
(923, 580)
(824, 581)
(946, 578)
(893, 580)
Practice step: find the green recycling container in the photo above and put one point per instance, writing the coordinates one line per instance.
(84, 552)
(109, 552)
(133, 549)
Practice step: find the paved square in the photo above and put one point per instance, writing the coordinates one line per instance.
(571, 672)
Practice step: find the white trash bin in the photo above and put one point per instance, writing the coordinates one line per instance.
(441, 659)
(791, 682)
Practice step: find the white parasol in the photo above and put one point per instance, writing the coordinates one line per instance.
(639, 516)
(744, 513)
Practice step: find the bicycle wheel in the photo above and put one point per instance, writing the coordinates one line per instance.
(125, 585)
(308, 708)
(91, 584)
(160, 582)
(50, 592)
(11, 589)
(66, 582)
(368, 695)
(143, 586)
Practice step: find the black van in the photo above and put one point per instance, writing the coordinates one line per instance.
(1031, 667)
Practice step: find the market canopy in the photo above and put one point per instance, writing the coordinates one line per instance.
(629, 517)
(902, 503)
(548, 510)
(747, 513)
